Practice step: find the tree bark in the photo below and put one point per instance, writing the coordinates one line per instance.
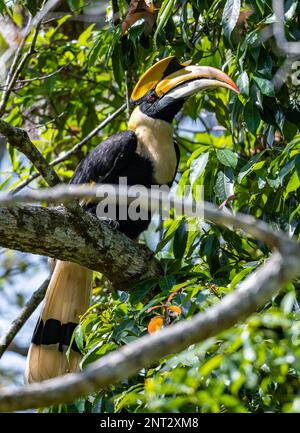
(56, 232)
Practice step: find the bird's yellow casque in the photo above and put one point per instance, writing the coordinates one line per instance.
(145, 154)
(157, 77)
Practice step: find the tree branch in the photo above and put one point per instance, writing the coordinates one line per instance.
(19, 139)
(252, 294)
(74, 149)
(15, 70)
(23, 316)
(159, 201)
(55, 232)
(24, 83)
(46, 8)
(18, 349)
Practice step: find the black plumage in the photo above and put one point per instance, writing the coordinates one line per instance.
(116, 158)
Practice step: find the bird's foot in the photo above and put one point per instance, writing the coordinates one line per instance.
(113, 224)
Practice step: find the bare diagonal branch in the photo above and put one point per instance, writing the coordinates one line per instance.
(23, 316)
(15, 71)
(253, 292)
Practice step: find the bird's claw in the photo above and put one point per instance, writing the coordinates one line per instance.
(113, 224)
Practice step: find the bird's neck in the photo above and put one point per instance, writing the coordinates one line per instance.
(155, 141)
(155, 129)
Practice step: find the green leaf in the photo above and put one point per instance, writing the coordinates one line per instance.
(165, 13)
(197, 166)
(265, 66)
(246, 169)
(227, 158)
(286, 170)
(292, 7)
(117, 64)
(170, 233)
(230, 16)
(288, 302)
(184, 26)
(261, 5)
(211, 245)
(266, 86)
(296, 211)
(274, 183)
(30, 4)
(293, 185)
(94, 53)
(96, 352)
(140, 290)
(83, 38)
(167, 282)
(224, 185)
(180, 240)
(252, 117)
(297, 165)
(240, 276)
(76, 5)
(255, 95)
(202, 148)
(5, 182)
(210, 365)
(243, 83)
(253, 38)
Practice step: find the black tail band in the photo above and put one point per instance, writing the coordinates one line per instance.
(54, 332)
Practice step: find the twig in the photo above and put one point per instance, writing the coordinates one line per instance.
(74, 149)
(252, 294)
(11, 71)
(13, 347)
(42, 77)
(23, 316)
(25, 32)
(19, 139)
(15, 71)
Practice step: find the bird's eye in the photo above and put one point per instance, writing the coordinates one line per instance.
(152, 98)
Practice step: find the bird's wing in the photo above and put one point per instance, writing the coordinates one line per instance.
(104, 163)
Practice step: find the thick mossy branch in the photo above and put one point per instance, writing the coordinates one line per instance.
(56, 232)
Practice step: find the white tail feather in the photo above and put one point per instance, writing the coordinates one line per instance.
(68, 297)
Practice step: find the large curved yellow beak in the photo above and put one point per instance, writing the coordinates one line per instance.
(169, 77)
(191, 79)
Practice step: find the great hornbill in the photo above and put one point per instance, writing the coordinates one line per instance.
(146, 155)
